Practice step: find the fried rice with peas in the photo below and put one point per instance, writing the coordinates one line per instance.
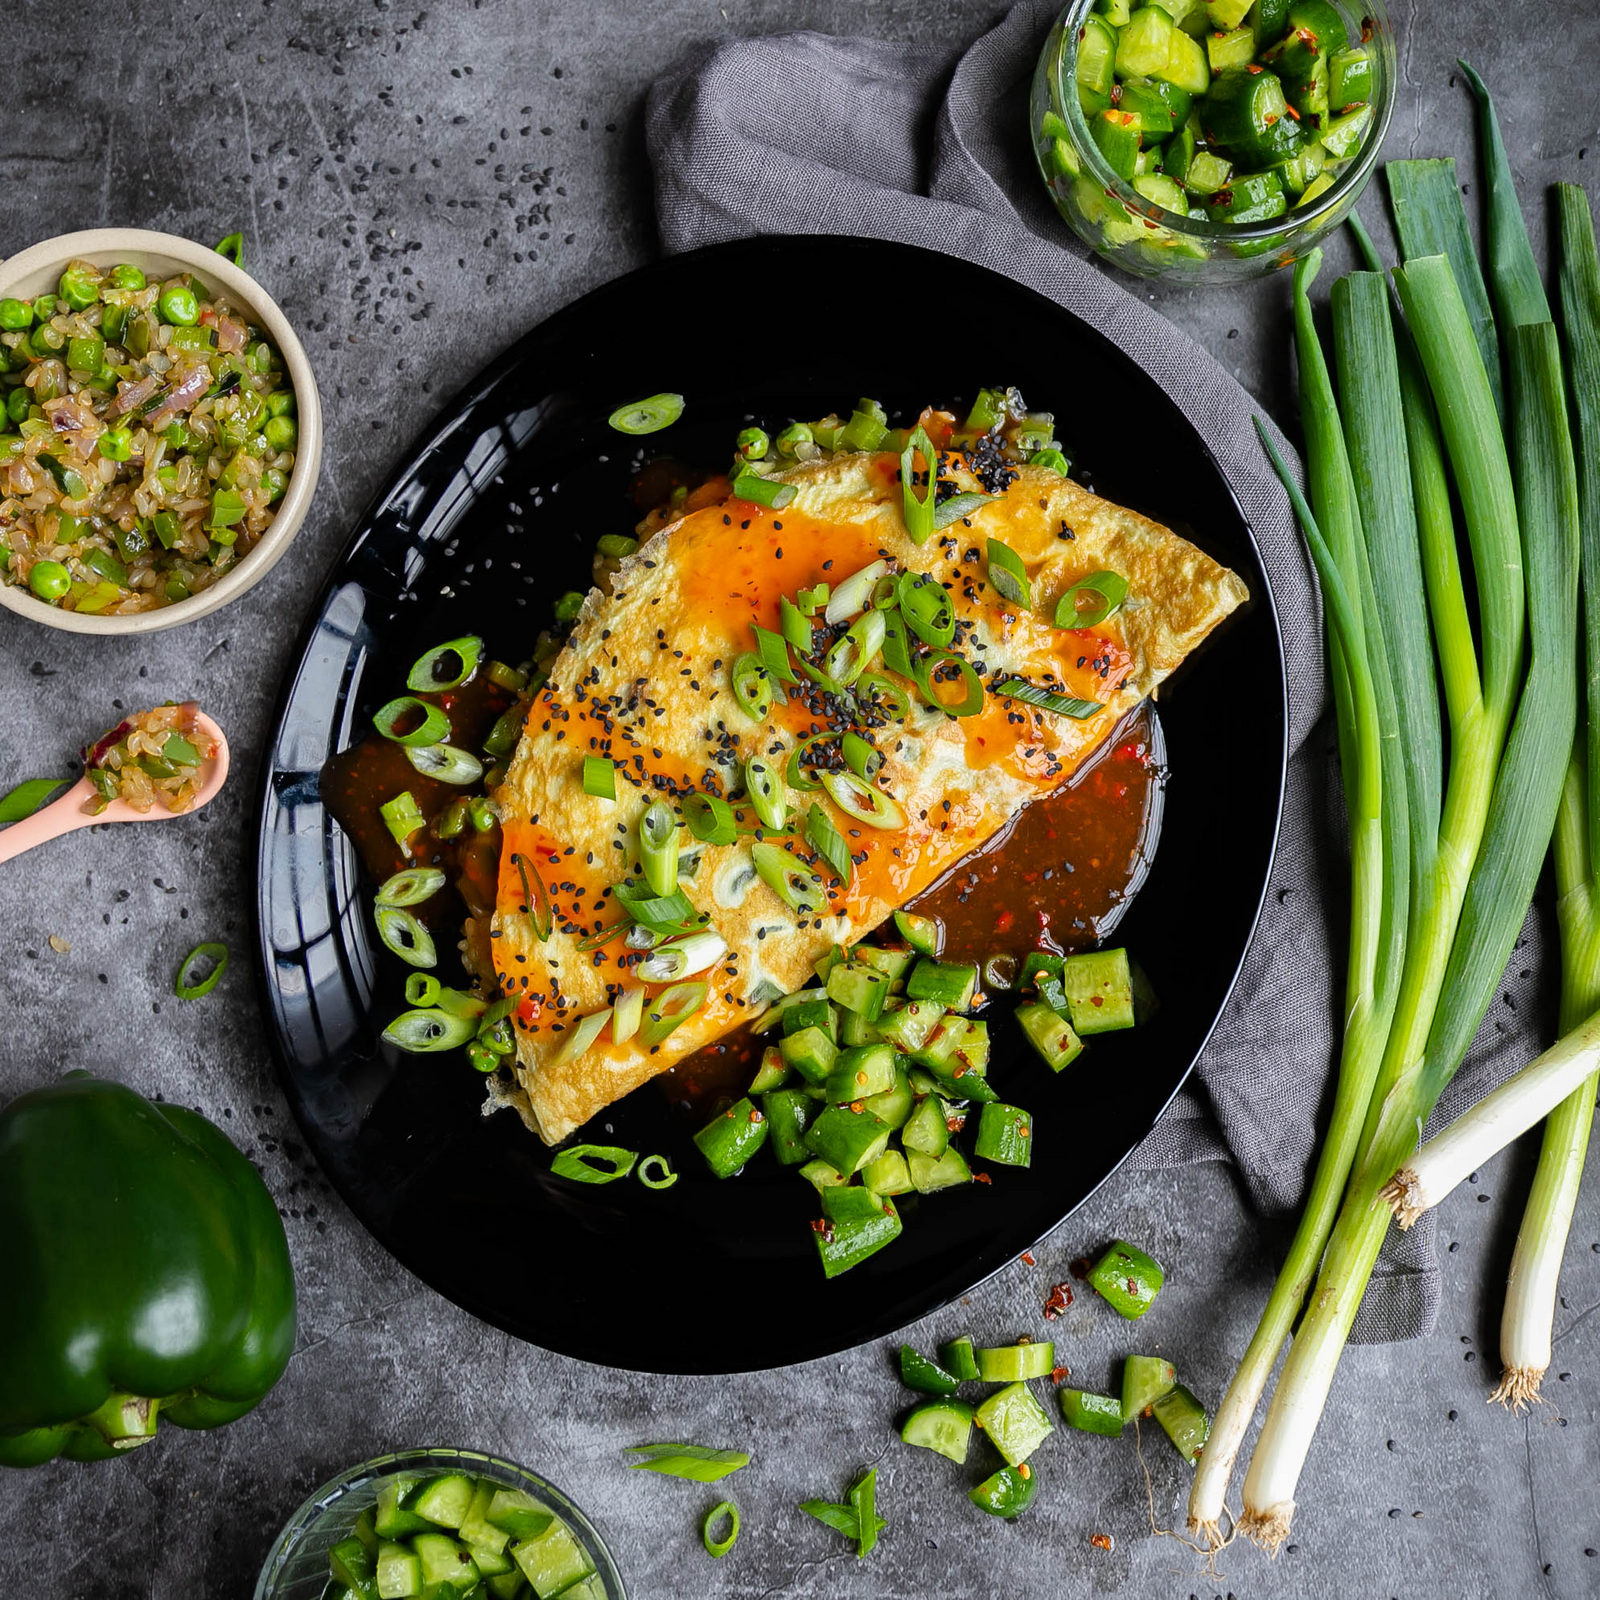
(147, 435)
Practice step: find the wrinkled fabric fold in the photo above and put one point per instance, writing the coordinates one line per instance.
(803, 133)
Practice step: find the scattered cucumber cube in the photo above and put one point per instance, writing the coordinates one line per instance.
(961, 1359)
(1091, 1413)
(1127, 1278)
(917, 1371)
(943, 1426)
(1144, 1380)
(1015, 1422)
(443, 1501)
(1009, 1363)
(1185, 1421)
(1005, 1135)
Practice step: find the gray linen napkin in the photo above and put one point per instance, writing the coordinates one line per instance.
(803, 133)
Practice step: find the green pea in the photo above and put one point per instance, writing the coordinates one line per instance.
(280, 403)
(17, 404)
(80, 286)
(15, 315)
(281, 433)
(177, 305)
(116, 444)
(125, 276)
(47, 341)
(85, 355)
(49, 580)
(752, 443)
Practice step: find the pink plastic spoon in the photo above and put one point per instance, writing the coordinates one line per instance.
(67, 814)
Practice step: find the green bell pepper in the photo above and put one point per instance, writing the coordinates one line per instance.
(147, 1274)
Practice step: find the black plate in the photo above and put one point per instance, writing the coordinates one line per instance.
(709, 1277)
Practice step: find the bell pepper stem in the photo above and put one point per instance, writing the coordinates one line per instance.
(125, 1420)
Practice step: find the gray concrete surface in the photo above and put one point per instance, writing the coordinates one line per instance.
(418, 186)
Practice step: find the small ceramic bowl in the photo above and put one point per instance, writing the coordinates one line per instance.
(297, 1566)
(37, 270)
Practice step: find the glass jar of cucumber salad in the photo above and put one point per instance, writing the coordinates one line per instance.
(1210, 140)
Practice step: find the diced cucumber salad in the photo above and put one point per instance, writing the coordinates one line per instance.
(447, 1536)
(1222, 111)
(1011, 1416)
(877, 1068)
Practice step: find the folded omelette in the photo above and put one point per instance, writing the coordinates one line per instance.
(645, 680)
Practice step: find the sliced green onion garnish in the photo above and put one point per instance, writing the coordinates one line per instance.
(794, 625)
(568, 606)
(790, 879)
(658, 847)
(1053, 459)
(507, 677)
(422, 989)
(536, 905)
(829, 843)
(193, 981)
(959, 507)
(866, 428)
(896, 643)
(753, 443)
(863, 802)
(861, 756)
(611, 1162)
(810, 601)
(918, 509)
(402, 816)
(926, 605)
(1007, 575)
(682, 958)
(925, 669)
(883, 593)
(669, 1009)
(795, 772)
(232, 248)
(720, 1547)
(852, 654)
(410, 887)
(423, 1032)
(752, 688)
(692, 1461)
(600, 777)
(773, 649)
(604, 936)
(29, 797)
(850, 598)
(647, 416)
(710, 819)
(446, 666)
(790, 439)
(1091, 600)
(769, 797)
(583, 1034)
(615, 546)
(665, 914)
(434, 726)
(884, 694)
(988, 411)
(645, 1172)
(447, 763)
(405, 936)
(626, 1012)
(1046, 699)
(480, 1057)
(503, 736)
(458, 1003)
(761, 491)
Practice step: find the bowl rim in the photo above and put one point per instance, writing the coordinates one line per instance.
(303, 1519)
(104, 246)
(1344, 189)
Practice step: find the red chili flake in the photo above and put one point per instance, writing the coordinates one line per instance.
(1059, 1299)
(1058, 1373)
(1101, 1541)
(1081, 1268)
(755, 1116)
(1270, 120)
(1133, 1288)
(1024, 1471)
(528, 1008)
(824, 1227)
(1254, 67)
(1116, 94)
(1027, 1256)
(955, 1124)
(981, 1177)
(1292, 112)
(1004, 922)
(1095, 1000)
(1366, 29)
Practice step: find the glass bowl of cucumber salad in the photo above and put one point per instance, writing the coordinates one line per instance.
(1210, 140)
(439, 1522)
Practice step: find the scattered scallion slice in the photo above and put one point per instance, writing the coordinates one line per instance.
(810, 601)
(650, 415)
(790, 879)
(710, 819)
(752, 688)
(851, 655)
(829, 843)
(861, 756)
(458, 1003)
(928, 610)
(658, 847)
(29, 797)
(405, 936)
(851, 596)
(769, 797)
(761, 491)
(502, 737)
(566, 608)
(692, 1461)
(883, 695)
(410, 887)
(1008, 577)
(434, 726)
(662, 914)
(1051, 458)
(671, 1008)
(918, 509)
(773, 651)
(583, 1033)
(959, 507)
(402, 816)
(423, 1032)
(795, 772)
(682, 958)
(896, 643)
(232, 248)
(536, 905)
(794, 625)
(616, 546)
(626, 1012)
(646, 1173)
(194, 981)
(600, 777)
(860, 800)
(1047, 699)
(594, 1163)
(603, 936)
(447, 763)
(717, 1548)
(422, 989)
(926, 670)
(447, 665)
(1092, 600)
